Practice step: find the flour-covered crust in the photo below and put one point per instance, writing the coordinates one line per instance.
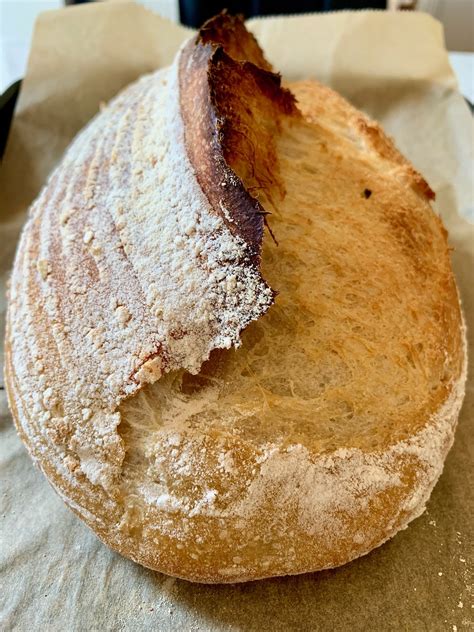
(130, 265)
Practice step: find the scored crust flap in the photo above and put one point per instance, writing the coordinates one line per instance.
(142, 253)
(232, 112)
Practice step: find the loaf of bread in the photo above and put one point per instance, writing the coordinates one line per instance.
(234, 339)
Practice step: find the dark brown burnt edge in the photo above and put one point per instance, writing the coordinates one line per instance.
(232, 112)
(229, 31)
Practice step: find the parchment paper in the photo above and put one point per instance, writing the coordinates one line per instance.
(55, 574)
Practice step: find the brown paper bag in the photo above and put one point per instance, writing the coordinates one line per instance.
(55, 574)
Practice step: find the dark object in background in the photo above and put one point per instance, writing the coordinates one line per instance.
(7, 107)
(194, 12)
(339, 5)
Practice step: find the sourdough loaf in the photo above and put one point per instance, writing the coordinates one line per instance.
(203, 421)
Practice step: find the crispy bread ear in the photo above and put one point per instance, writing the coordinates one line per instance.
(232, 112)
(230, 32)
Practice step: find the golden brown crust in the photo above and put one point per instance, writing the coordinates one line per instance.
(374, 311)
(345, 117)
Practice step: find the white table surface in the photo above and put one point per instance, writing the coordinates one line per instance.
(17, 19)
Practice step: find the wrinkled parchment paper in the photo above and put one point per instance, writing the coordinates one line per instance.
(55, 574)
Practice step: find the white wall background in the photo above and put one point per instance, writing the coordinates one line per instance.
(17, 18)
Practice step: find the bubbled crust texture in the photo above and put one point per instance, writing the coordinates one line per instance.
(93, 302)
(324, 434)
